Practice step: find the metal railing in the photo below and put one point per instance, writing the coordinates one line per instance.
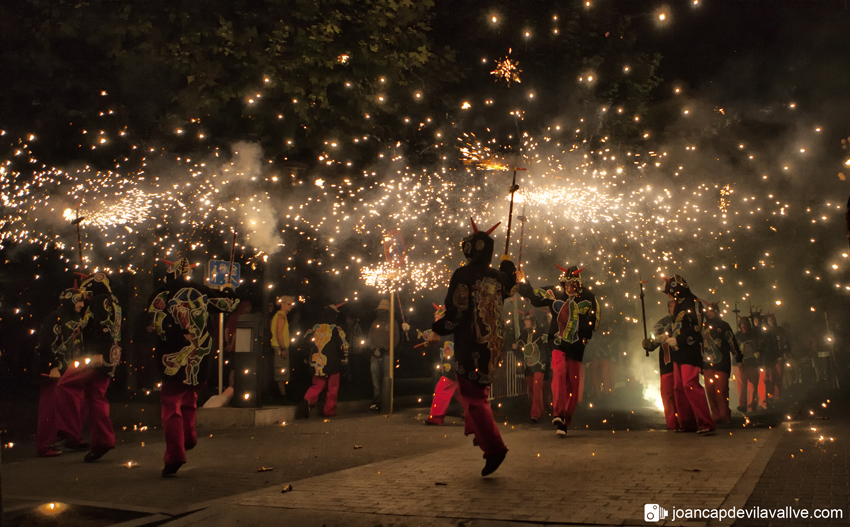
(509, 377)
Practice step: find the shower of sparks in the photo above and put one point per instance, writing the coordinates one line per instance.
(507, 70)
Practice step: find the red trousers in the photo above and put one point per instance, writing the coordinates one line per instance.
(566, 375)
(81, 391)
(442, 397)
(534, 383)
(319, 383)
(691, 406)
(179, 409)
(770, 382)
(748, 386)
(668, 399)
(717, 390)
(45, 435)
(479, 417)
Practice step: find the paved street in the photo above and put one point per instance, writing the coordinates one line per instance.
(374, 470)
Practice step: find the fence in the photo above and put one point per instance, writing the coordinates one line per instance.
(509, 378)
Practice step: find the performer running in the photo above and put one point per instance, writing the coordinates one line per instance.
(180, 312)
(716, 375)
(575, 316)
(81, 393)
(474, 315)
(328, 354)
(661, 334)
(447, 384)
(60, 343)
(535, 355)
(686, 341)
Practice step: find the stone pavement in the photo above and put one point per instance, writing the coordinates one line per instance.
(590, 477)
(810, 468)
(368, 470)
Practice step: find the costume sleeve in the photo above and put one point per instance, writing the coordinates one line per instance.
(537, 297)
(47, 357)
(660, 332)
(457, 302)
(343, 344)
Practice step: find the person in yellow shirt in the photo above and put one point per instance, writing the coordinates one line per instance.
(281, 340)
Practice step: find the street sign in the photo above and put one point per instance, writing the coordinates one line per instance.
(217, 273)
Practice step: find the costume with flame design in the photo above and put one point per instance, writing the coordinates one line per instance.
(81, 393)
(474, 315)
(60, 343)
(180, 313)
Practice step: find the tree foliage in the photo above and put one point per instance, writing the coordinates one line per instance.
(285, 73)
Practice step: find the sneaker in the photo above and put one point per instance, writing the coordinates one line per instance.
(557, 421)
(742, 409)
(374, 408)
(171, 469)
(303, 410)
(561, 432)
(705, 431)
(50, 452)
(492, 464)
(96, 453)
(190, 446)
(433, 422)
(535, 420)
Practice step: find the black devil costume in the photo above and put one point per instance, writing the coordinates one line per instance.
(180, 313)
(81, 393)
(533, 348)
(60, 344)
(474, 316)
(687, 342)
(721, 338)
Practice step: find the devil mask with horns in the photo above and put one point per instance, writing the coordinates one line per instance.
(478, 246)
(571, 275)
(676, 286)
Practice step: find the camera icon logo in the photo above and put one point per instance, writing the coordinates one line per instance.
(652, 512)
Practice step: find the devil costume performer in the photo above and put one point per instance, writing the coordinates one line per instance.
(60, 344)
(661, 334)
(720, 337)
(81, 393)
(181, 312)
(686, 340)
(447, 384)
(474, 315)
(534, 350)
(748, 368)
(575, 317)
(328, 354)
